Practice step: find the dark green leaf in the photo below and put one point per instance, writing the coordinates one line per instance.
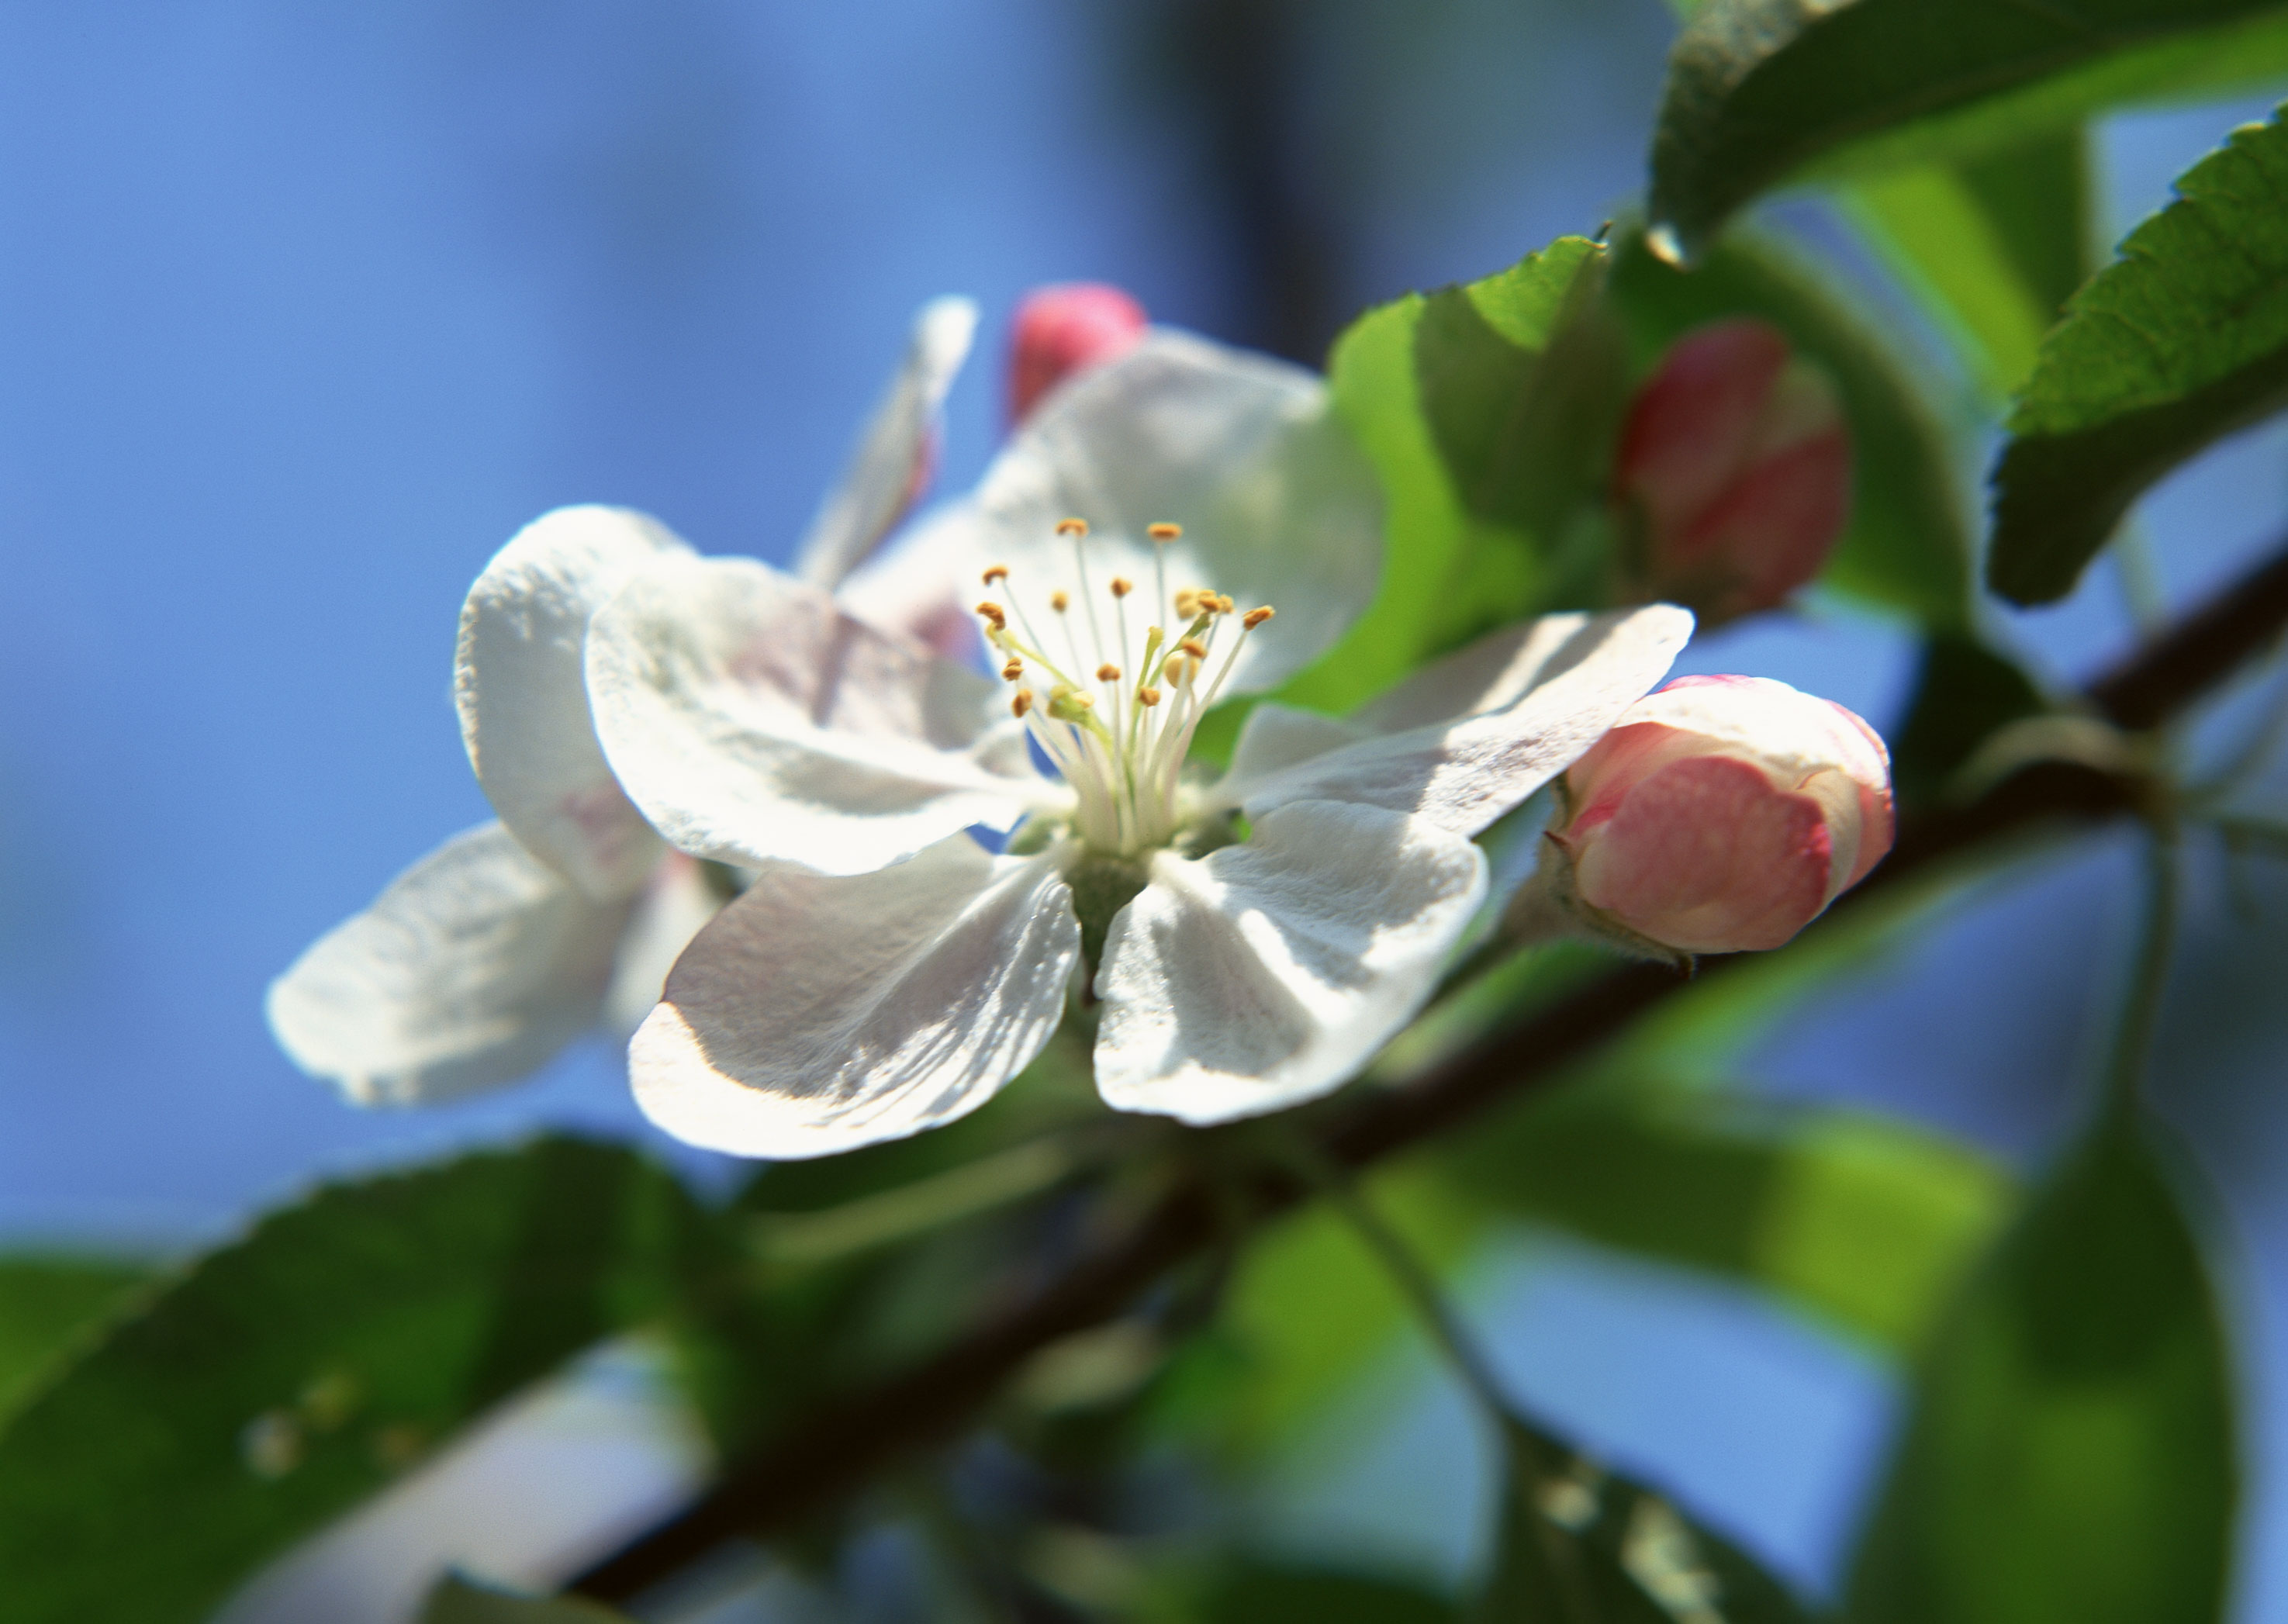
(1487, 410)
(47, 1305)
(1964, 691)
(1995, 244)
(2180, 341)
(1255, 1592)
(1761, 91)
(289, 1375)
(1867, 1222)
(1576, 1545)
(1906, 547)
(2070, 1455)
(456, 1601)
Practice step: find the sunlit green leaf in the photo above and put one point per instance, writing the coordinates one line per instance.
(2071, 1457)
(47, 1305)
(1995, 244)
(288, 1375)
(456, 1601)
(1906, 547)
(2180, 341)
(1763, 91)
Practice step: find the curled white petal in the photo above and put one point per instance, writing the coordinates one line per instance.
(1562, 690)
(816, 1015)
(894, 453)
(471, 970)
(1267, 973)
(755, 722)
(669, 912)
(1277, 503)
(519, 683)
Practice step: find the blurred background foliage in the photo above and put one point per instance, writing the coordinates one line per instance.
(308, 312)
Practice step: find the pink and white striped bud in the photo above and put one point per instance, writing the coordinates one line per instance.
(1734, 472)
(1064, 328)
(1720, 814)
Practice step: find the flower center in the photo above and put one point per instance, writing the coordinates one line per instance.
(1116, 689)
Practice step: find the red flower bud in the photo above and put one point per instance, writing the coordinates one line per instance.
(1720, 814)
(1061, 329)
(1734, 471)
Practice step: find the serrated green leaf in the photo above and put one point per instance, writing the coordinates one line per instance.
(1483, 408)
(1576, 1545)
(2180, 341)
(48, 1304)
(2070, 1455)
(1762, 90)
(1906, 547)
(1995, 245)
(456, 1601)
(1964, 693)
(287, 1376)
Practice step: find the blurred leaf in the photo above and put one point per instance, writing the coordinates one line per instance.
(1906, 547)
(456, 1601)
(1763, 91)
(1964, 691)
(287, 1376)
(47, 1305)
(1260, 1592)
(2180, 341)
(1576, 1545)
(1486, 409)
(1995, 245)
(1865, 1222)
(2070, 1455)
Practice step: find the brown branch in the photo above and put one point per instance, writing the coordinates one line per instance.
(847, 1442)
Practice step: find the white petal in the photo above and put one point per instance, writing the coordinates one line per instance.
(816, 1015)
(523, 699)
(1462, 775)
(893, 454)
(1277, 503)
(1276, 736)
(1266, 974)
(471, 968)
(669, 912)
(755, 722)
(924, 583)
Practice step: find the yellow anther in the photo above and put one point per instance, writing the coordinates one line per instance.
(1163, 533)
(1059, 601)
(1147, 696)
(1121, 586)
(1224, 606)
(1192, 646)
(1021, 703)
(993, 612)
(1012, 670)
(1186, 602)
(1072, 526)
(1108, 672)
(1171, 669)
(999, 572)
(1256, 617)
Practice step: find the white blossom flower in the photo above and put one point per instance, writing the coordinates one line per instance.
(480, 962)
(1248, 942)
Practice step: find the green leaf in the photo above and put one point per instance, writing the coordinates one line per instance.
(47, 1305)
(1763, 91)
(285, 1377)
(1576, 1545)
(1866, 1222)
(2071, 1453)
(2180, 341)
(1487, 410)
(456, 1601)
(1906, 547)
(1249, 1591)
(1995, 245)
(1964, 691)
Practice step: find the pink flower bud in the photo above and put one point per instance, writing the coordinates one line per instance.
(1063, 328)
(1721, 814)
(1733, 470)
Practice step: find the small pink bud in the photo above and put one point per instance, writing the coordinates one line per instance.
(1733, 470)
(1721, 814)
(1064, 328)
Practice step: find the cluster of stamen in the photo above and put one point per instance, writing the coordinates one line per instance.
(1124, 757)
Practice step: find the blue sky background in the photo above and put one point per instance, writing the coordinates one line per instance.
(304, 310)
